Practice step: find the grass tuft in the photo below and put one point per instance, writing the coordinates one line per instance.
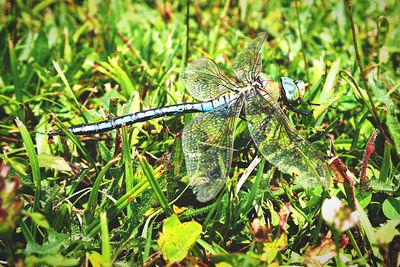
(105, 198)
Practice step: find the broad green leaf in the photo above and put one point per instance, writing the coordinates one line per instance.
(391, 208)
(270, 254)
(38, 219)
(392, 123)
(177, 238)
(394, 129)
(51, 260)
(53, 244)
(223, 264)
(386, 233)
(236, 259)
(377, 185)
(364, 198)
(95, 258)
(53, 162)
(271, 249)
(274, 214)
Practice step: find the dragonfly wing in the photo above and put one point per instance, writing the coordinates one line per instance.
(247, 64)
(281, 144)
(205, 81)
(208, 145)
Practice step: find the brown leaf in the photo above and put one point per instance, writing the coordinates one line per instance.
(324, 252)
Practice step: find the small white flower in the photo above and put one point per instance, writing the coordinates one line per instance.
(330, 208)
(338, 215)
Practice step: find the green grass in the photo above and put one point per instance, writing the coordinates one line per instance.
(103, 198)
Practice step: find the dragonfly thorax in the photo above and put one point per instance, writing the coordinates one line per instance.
(261, 81)
(268, 85)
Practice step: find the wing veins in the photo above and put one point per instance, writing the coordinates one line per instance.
(218, 150)
(310, 158)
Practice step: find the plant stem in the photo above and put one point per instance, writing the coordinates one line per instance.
(301, 40)
(9, 250)
(354, 243)
(363, 78)
(187, 30)
(380, 21)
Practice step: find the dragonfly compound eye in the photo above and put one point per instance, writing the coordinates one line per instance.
(302, 87)
(290, 90)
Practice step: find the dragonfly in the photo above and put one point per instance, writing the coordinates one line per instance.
(208, 139)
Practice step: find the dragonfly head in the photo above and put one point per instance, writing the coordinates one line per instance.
(292, 91)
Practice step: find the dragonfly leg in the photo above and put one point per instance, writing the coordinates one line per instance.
(55, 133)
(111, 118)
(317, 136)
(317, 104)
(313, 104)
(304, 113)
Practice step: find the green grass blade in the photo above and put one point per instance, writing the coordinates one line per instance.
(118, 206)
(14, 71)
(130, 179)
(78, 144)
(149, 239)
(251, 197)
(155, 186)
(105, 240)
(60, 72)
(92, 202)
(26, 233)
(113, 70)
(34, 162)
(76, 182)
(386, 164)
(369, 232)
(33, 159)
(123, 57)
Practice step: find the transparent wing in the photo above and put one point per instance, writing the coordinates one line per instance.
(205, 81)
(247, 64)
(208, 145)
(281, 144)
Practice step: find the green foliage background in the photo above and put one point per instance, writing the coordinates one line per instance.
(79, 61)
